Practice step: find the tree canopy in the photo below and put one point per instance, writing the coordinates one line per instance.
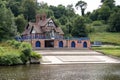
(7, 24)
(15, 14)
(82, 5)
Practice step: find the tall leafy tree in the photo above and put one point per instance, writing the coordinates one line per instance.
(43, 5)
(63, 20)
(59, 11)
(109, 3)
(29, 9)
(7, 24)
(20, 23)
(94, 15)
(104, 13)
(15, 6)
(82, 5)
(114, 22)
(79, 29)
(70, 12)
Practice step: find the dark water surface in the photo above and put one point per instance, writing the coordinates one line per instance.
(61, 72)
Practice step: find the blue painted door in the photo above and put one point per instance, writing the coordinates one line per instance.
(85, 45)
(38, 44)
(73, 44)
(60, 44)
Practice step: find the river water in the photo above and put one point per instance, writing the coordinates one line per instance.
(61, 72)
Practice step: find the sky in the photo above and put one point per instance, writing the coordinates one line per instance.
(91, 4)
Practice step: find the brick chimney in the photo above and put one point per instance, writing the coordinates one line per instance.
(43, 17)
(37, 18)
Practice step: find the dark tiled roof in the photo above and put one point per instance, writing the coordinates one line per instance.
(41, 27)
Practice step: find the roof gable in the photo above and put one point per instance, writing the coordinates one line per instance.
(42, 26)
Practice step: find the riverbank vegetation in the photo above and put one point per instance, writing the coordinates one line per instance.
(105, 37)
(14, 53)
(109, 50)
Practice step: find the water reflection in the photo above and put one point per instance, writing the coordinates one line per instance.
(61, 72)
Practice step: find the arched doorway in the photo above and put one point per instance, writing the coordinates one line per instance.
(61, 44)
(73, 44)
(38, 44)
(85, 45)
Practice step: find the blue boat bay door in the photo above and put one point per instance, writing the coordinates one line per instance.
(38, 44)
(61, 44)
(85, 45)
(73, 44)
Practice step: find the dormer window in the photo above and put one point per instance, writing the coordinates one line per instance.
(50, 23)
(33, 31)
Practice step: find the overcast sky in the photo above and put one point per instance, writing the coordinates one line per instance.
(92, 4)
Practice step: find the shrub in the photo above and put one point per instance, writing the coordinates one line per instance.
(13, 52)
(1, 49)
(14, 43)
(26, 50)
(97, 23)
(35, 55)
(90, 28)
(24, 58)
(10, 58)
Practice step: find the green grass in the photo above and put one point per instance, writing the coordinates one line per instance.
(114, 51)
(105, 37)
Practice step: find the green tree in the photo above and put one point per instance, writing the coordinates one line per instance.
(82, 5)
(79, 29)
(48, 12)
(70, 12)
(69, 27)
(109, 3)
(59, 11)
(94, 15)
(15, 6)
(63, 20)
(7, 24)
(29, 9)
(43, 5)
(114, 22)
(104, 13)
(20, 23)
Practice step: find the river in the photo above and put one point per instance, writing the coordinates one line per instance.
(61, 72)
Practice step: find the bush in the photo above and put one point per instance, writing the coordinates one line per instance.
(35, 55)
(26, 51)
(10, 59)
(90, 28)
(14, 43)
(24, 58)
(13, 52)
(25, 45)
(1, 50)
(97, 23)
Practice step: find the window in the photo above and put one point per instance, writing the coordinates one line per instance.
(50, 23)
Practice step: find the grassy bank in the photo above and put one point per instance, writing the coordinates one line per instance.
(114, 51)
(105, 37)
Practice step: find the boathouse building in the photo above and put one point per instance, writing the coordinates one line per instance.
(45, 33)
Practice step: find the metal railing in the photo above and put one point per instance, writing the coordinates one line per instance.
(37, 37)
